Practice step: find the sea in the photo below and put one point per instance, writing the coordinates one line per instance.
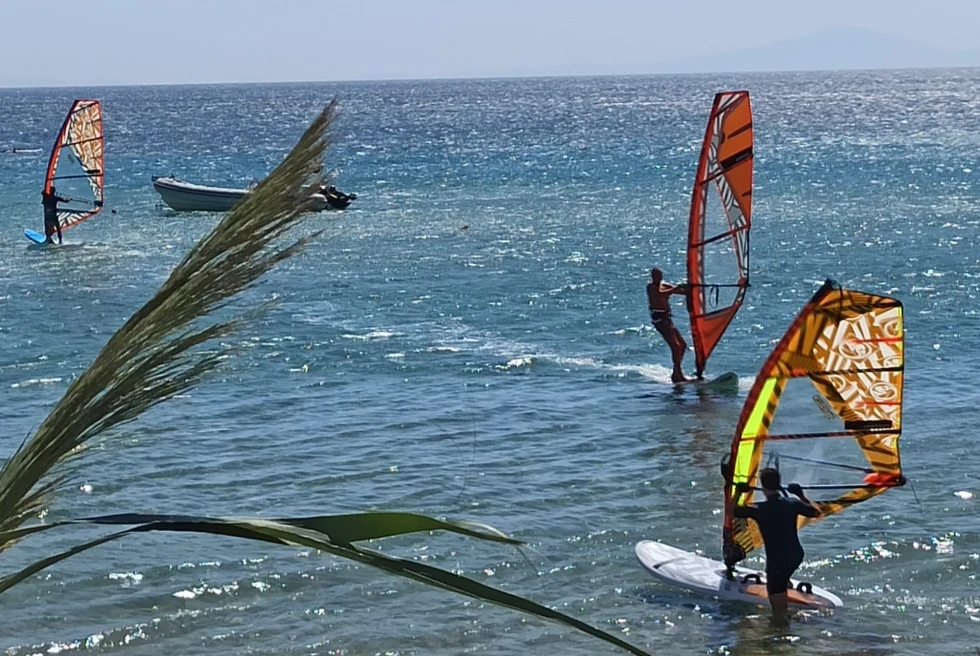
(470, 340)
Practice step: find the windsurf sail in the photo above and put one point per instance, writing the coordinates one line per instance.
(721, 217)
(842, 443)
(75, 167)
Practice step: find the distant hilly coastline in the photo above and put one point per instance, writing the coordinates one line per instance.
(827, 50)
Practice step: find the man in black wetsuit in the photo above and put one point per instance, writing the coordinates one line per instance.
(50, 200)
(776, 517)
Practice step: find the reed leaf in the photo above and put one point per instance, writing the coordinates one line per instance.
(303, 532)
(339, 529)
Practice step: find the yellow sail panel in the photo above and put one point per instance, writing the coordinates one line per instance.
(866, 347)
(849, 347)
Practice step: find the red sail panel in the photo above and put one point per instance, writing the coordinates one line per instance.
(76, 166)
(721, 217)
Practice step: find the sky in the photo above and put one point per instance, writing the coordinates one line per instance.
(211, 41)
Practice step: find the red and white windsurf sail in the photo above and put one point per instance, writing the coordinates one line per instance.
(721, 217)
(76, 166)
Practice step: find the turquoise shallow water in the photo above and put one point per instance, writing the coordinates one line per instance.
(506, 373)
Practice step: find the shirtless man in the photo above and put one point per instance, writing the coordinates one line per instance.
(658, 296)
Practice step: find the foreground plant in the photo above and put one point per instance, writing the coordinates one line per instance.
(156, 355)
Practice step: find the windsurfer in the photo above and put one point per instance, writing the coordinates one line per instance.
(658, 296)
(50, 200)
(776, 517)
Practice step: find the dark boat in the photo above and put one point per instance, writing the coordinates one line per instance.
(337, 200)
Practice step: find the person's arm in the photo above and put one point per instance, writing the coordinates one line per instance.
(745, 512)
(807, 509)
(668, 289)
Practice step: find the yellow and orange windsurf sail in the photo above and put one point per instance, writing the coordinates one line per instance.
(76, 166)
(721, 217)
(845, 355)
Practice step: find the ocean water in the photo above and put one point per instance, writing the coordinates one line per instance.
(506, 373)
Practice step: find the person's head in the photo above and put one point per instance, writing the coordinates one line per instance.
(656, 275)
(53, 190)
(769, 478)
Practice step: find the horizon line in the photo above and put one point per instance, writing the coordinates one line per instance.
(460, 78)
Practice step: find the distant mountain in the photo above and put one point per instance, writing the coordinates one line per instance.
(826, 50)
(832, 49)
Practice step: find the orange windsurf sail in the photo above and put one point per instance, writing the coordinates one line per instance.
(76, 166)
(845, 354)
(721, 217)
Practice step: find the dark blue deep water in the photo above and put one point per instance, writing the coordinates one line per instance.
(506, 373)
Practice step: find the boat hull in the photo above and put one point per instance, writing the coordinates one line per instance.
(188, 197)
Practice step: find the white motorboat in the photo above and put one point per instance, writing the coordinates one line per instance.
(188, 197)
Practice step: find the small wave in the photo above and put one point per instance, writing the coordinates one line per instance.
(655, 372)
(200, 590)
(637, 330)
(443, 349)
(523, 355)
(374, 334)
(514, 363)
(127, 578)
(579, 362)
(33, 382)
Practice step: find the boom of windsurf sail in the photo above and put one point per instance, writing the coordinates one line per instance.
(721, 216)
(849, 347)
(76, 166)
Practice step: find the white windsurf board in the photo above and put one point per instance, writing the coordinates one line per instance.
(705, 576)
(727, 382)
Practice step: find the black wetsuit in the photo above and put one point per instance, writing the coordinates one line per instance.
(51, 223)
(776, 517)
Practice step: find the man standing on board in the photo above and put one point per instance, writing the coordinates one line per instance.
(50, 200)
(776, 517)
(658, 296)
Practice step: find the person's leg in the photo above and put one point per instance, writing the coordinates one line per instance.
(678, 348)
(48, 230)
(672, 336)
(779, 604)
(666, 329)
(777, 583)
